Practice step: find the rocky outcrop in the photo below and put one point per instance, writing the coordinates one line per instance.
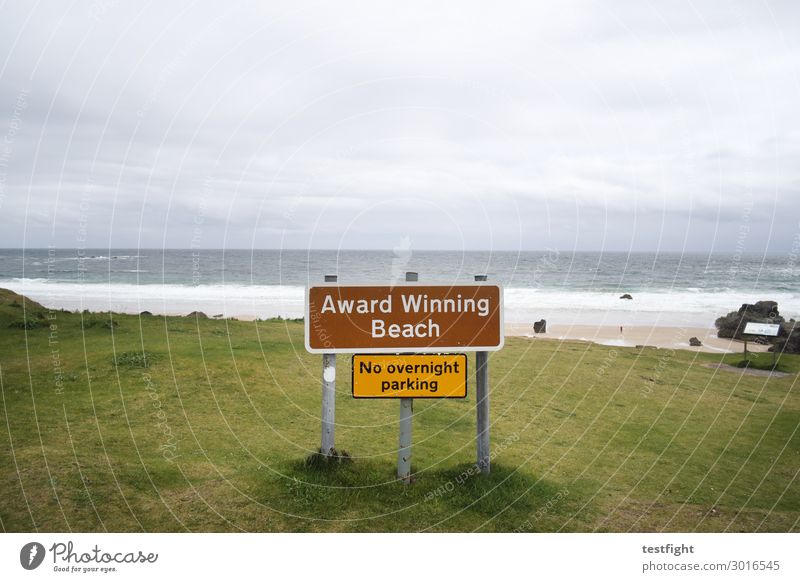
(694, 342)
(626, 296)
(791, 343)
(732, 325)
(540, 326)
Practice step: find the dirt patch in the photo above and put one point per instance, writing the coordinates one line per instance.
(748, 371)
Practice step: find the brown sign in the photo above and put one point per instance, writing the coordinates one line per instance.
(418, 318)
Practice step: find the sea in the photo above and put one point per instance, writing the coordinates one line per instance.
(668, 289)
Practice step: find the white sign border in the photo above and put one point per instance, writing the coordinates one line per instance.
(775, 327)
(430, 350)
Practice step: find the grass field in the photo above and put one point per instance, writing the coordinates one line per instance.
(127, 423)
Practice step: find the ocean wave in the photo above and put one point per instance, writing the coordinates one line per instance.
(96, 258)
(522, 305)
(230, 300)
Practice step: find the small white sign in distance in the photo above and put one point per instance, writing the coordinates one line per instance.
(769, 329)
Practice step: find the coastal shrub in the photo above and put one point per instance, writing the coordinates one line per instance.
(25, 324)
(18, 301)
(135, 359)
(99, 321)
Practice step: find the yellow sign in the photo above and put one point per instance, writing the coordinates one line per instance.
(410, 376)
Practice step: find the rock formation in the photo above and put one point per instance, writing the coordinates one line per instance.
(732, 325)
(791, 343)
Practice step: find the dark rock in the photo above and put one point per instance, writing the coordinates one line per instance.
(145, 313)
(732, 325)
(791, 343)
(768, 309)
(198, 315)
(540, 326)
(626, 296)
(693, 341)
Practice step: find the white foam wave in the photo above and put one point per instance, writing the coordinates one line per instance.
(668, 308)
(94, 258)
(229, 300)
(683, 307)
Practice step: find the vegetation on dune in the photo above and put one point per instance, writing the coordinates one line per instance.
(204, 424)
(106, 322)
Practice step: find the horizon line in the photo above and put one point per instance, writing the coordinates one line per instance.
(390, 250)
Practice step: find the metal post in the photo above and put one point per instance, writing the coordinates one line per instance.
(404, 452)
(328, 445)
(482, 405)
(406, 415)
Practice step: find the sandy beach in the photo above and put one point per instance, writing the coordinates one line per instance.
(632, 336)
(639, 326)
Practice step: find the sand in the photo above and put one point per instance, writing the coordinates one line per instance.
(643, 333)
(632, 336)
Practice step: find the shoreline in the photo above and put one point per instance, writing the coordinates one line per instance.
(668, 330)
(654, 336)
(663, 337)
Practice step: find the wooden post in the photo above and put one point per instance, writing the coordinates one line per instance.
(328, 444)
(482, 404)
(406, 416)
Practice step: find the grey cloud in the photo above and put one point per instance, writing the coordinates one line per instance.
(565, 124)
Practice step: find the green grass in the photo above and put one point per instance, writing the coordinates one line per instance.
(786, 363)
(176, 424)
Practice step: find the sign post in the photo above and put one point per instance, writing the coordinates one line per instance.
(406, 415)
(482, 404)
(328, 444)
(766, 329)
(409, 321)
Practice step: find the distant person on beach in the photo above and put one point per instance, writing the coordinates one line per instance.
(620, 329)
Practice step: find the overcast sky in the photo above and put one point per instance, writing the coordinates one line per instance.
(570, 125)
